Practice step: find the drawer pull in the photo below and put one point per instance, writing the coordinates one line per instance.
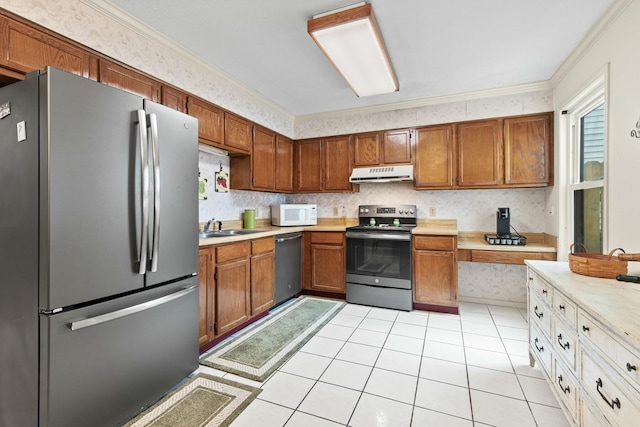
(631, 367)
(566, 389)
(544, 291)
(541, 348)
(612, 403)
(565, 345)
(539, 315)
(585, 328)
(561, 307)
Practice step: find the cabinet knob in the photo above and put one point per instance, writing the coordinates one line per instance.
(544, 291)
(585, 328)
(631, 367)
(561, 307)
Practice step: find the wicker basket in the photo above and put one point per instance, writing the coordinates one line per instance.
(597, 265)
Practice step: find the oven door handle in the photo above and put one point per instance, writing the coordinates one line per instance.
(378, 236)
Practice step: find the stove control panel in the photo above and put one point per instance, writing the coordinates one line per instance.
(385, 211)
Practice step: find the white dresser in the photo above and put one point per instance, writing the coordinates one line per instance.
(585, 334)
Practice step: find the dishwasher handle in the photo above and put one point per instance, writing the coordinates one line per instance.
(286, 239)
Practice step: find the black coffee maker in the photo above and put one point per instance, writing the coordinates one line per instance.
(503, 222)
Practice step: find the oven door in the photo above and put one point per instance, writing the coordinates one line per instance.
(379, 258)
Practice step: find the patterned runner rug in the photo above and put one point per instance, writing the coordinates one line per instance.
(259, 351)
(202, 401)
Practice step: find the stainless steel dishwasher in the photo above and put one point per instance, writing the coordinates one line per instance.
(288, 265)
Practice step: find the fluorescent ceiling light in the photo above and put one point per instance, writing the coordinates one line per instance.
(351, 40)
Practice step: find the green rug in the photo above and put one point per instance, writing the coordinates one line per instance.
(202, 401)
(261, 349)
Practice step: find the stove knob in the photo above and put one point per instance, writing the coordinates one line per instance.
(366, 210)
(361, 210)
(411, 211)
(400, 211)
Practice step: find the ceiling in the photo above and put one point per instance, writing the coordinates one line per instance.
(437, 47)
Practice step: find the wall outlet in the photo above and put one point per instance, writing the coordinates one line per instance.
(432, 211)
(335, 211)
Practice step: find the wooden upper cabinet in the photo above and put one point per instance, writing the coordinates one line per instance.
(366, 147)
(128, 80)
(528, 148)
(478, 147)
(337, 163)
(396, 146)
(309, 165)
(284, 164)
(210, 121)
(173, 98)
(238, 132)
(433, 162)
(263, 159)
(26, 49)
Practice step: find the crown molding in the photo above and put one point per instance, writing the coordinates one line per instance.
(133, 24)
(595, 33)
(429, 101)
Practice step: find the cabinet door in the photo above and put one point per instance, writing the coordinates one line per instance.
(309, 165)
(435, 278)
(263, 273)
(433, 163)
(128, 80)
(366, 148)
(26, 49)
(263, 159)
(232, 294)
(238, 133)
(210, 125)
(284, 164)
(207, 296)
(328, 268)
(528, 143)
(337, 164)
(174, 98)
(479, 149)
(396, 146)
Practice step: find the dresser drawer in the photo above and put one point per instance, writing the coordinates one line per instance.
(540, 348)
(540, 313)
(567, 387)
(624, 361)
(608, 391)
(590, 417)
(565, 308)
(565, 343)
(541, 286)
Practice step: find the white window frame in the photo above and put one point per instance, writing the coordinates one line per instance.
(590, 98)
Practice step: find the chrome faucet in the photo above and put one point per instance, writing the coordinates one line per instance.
(208, 224)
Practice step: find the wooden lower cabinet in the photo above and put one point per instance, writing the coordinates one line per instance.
(263, 275)
(207, 295)
(324, 262)
(435, 272)
(233, 271)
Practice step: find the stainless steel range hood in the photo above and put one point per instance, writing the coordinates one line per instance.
(382, 174)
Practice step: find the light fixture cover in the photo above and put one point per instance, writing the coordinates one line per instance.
(350, 38)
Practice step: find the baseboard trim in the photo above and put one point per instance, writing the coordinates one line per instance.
(489, 301)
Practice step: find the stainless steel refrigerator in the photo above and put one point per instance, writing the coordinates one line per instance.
(98, 252)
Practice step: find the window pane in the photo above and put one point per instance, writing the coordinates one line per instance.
(587, 221)
(592, 145)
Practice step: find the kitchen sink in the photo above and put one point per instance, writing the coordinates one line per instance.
(226, 233)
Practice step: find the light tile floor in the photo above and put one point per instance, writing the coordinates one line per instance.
(377, 367)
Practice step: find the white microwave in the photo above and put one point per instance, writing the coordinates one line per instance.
(292, 215)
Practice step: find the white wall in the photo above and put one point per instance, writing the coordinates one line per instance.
(617, 50)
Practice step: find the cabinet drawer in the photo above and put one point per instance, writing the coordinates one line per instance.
(590, 417)
(540, 348)
(625, 362)
(565, 308)
(565, 343)
(567, 387)
(265, 244)
(540, 313)
(233, 251)
(608, 391)
(434, 243)
(540, 285)
(327, 238)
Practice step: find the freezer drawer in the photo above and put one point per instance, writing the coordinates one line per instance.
(102, 364)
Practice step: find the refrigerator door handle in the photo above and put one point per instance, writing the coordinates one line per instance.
(92, 321)
(144, 163)
(155, 154)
